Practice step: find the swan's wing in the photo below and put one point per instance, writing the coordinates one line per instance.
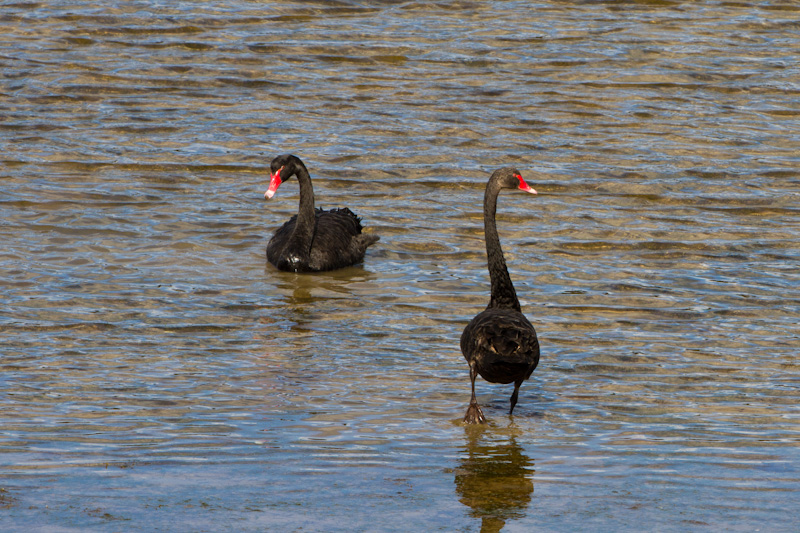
(503, 343)
(338, 241)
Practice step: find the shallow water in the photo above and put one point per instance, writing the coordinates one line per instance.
(158, 375)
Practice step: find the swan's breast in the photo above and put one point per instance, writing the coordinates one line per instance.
(292, 263)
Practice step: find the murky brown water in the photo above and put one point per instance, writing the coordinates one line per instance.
(157, 375)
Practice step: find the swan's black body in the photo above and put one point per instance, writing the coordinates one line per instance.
(313, 240)
(499, 344)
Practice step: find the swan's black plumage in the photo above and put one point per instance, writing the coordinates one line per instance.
(499, 343)
(313, 240)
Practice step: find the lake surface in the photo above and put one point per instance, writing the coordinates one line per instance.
(157, 374)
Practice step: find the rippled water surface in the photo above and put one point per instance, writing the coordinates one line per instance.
(158, 375)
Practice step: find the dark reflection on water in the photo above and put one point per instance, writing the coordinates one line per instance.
(494, 479)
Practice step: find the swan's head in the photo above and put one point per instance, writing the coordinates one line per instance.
(282, 168)
(510, 178)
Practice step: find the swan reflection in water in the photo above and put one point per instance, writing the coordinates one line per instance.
(299, 295)
(494, 479)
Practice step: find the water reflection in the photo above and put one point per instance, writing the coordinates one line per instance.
(304, 289)
(494, 478)
(302, 299)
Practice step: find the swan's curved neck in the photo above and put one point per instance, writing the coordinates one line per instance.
(303, 234)
(503, 293)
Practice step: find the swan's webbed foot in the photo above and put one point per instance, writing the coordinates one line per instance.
(474, 414)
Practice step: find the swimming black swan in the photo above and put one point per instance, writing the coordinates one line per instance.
(313, 240)
(499, 344)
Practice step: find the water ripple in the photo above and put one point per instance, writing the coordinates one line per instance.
(154, 366)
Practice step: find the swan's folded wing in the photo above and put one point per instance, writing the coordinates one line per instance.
(340, 218)
(338, 241)
(513, 340)
(503, 344)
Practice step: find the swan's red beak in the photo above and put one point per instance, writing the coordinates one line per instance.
(524, 186)
(274, 183)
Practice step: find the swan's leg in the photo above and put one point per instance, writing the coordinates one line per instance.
(474, 414)
(514, 396)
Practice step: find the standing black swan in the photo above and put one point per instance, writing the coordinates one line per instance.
(499, 344)
(313, 240)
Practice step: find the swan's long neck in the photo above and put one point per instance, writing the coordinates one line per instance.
(503, 293)
(305, 226)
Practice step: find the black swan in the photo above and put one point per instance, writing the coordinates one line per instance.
(313, 240)
(499, 344)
